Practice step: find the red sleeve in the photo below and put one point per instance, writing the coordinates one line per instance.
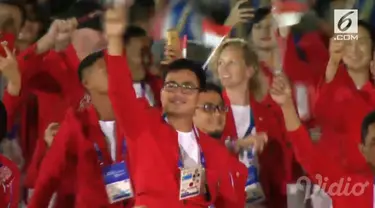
(29, 62)
(12, 105)
(234, 180)
(305, 70)
(131, 115)
(52, 167)
(313, 162)
(70, 58)
(325, 94)
(316, 52)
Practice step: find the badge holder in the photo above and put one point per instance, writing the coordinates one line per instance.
(191, 182)
(117, 181)
(253, 188)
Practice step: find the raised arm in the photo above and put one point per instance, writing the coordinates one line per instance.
(54, 164)
(130, 112)
(313, 162)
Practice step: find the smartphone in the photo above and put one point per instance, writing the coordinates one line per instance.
(10, 39)
(173, 38)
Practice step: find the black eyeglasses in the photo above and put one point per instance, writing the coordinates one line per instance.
(211, 108)
(185, 88)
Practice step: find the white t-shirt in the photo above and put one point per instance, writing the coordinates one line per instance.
(140, 92)
(241, 116)
(242, 119)
(189, 148)
(108, 129)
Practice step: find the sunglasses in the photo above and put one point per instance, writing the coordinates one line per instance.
(211, 108)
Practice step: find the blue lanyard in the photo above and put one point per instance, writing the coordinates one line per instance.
(251, 126)
(180, 163)
(250, 154)
(100, 154)
(202, 158)
(143, 89)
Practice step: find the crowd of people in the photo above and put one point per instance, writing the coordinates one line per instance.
(89, 118)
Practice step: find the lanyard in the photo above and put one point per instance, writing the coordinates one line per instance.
(251, 126)
(202, 158)
(250, 154)
(143, 89)
(100, 154)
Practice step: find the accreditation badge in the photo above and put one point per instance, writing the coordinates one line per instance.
(191, 182)
(117, 182)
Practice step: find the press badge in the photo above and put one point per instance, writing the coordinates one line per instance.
(254, 191)
(117, 182)
(191, 183)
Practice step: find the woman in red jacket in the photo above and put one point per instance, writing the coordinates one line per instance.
(358, 188)
(347, 85)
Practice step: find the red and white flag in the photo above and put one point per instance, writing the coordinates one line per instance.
(213, 34)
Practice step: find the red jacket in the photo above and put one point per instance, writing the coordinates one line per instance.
(73, 155)
(57, 87)
(162, 155)
(318, 163)
(10, 183)
(345, 118)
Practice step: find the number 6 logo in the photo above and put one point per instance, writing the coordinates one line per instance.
(345, 21)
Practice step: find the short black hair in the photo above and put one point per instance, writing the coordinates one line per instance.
(365, 25)
(367, 121)
(133, 31)
(89, 61)
(259, 15)
(186, 64)
(212, 87)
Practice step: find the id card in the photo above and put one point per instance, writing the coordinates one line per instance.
(254, 191)
(117, 182)
(191, 183)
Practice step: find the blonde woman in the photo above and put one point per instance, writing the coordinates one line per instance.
(252, 112)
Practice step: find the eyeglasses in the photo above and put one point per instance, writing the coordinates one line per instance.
(211, 108)
(185, 88)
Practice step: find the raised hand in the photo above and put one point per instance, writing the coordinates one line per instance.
(65, 29)
(239, 15)
(115, 23)
(336, 50)
(50, 133)
(9, 69)
(257, 142)
(47, 42)
(171, 53)
(281, 91)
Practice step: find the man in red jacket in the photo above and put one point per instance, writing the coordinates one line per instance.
(358, 191)
(90, 146)
(186, 153)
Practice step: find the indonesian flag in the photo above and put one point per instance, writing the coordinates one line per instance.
(213, 34)
(289, 12)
